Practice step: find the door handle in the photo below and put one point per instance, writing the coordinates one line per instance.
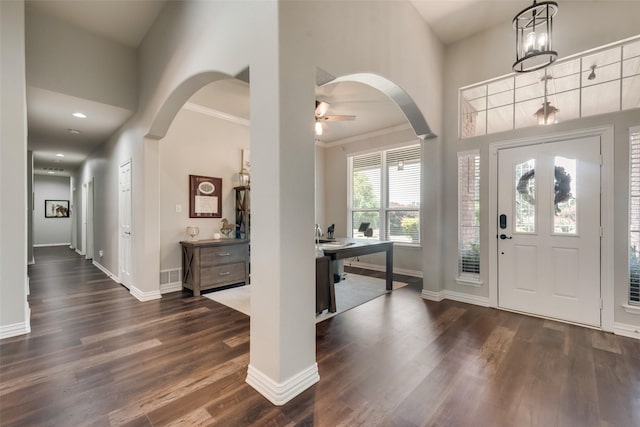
(504, 236)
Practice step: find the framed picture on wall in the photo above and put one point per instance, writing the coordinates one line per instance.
(56, 209)
(205, 197)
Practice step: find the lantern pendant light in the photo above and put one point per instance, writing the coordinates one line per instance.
(534, 37)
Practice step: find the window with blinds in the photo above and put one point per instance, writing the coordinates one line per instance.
(385, 194)
(469, 215)
(634, 217)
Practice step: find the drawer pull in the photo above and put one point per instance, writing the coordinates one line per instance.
(224, 253)
(224, 273)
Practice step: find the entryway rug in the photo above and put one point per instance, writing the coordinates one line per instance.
(350, 292)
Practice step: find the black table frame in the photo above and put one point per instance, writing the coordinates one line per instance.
(363, 247)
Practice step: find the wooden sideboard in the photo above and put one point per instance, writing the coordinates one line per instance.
(210, 264)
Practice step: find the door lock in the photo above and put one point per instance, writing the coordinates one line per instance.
(504, 236)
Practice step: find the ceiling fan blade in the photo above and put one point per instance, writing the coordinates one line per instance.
(339, 118)
(321, 108)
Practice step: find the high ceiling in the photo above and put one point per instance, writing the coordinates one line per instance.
(127, 22)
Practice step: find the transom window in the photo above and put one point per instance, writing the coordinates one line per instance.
(384, 194)
(600, 81)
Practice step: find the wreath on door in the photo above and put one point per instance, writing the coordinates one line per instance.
(562, 187)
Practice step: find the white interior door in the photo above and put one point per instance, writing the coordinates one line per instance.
(88, 253)
(83, 221)
(125, 229)
(549, 230)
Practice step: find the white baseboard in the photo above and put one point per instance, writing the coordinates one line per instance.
(626, 330)
(79, 252)
(46, 245)
(107, 272)
(15, 329)
(144, 296)
(455, 296)
(32, 261)
(432, 295)
(378, 267)
(170, 287)
(281, 393)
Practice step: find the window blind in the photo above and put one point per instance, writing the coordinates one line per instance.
(469, 214)
(634, 218)
(385, 192)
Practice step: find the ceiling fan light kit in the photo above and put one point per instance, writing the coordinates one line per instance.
(534, 37)
(321, 116)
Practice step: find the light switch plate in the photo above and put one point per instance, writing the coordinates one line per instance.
(178, 208)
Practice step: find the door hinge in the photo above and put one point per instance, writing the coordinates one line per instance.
(601, 304)
(601, 232)
(601, 160)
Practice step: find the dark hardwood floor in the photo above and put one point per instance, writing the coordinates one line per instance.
(96, 356)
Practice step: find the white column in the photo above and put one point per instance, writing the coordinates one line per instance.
(282, 361)
(14, 310)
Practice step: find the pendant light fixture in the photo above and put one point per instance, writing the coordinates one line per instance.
(546, 115)
(534, 37)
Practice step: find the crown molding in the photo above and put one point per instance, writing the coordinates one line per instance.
(216, 114)
(380, 132)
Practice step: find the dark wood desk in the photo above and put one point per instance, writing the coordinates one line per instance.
(342, 248)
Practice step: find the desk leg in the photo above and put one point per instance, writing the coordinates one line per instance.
(390, 269)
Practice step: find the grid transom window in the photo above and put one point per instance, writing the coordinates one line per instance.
(385, 193)
(469, 215)
(634, 217)
(600, 81)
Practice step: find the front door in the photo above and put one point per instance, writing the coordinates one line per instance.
(549, 230)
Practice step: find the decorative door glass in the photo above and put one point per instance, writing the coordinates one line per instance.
(525, 197)
(565, 194)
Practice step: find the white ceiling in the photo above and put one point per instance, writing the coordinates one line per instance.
(127, 22)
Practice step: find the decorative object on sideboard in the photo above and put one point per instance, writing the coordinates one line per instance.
(205, 197)
(227, 228)
(193, 232)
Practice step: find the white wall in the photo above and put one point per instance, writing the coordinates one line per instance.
(14, 310)
(196, 144)
(87, 59)
(578, 27)
(50, 231)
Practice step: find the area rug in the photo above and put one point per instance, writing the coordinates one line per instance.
(350, 292)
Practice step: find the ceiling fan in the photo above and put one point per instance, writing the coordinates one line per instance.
(321, 116)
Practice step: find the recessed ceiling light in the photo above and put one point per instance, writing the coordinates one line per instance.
(74, 131)
(79, 115)
(59, 155)
(51, 172)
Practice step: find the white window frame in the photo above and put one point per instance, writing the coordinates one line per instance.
(467, 278)
(384, 188)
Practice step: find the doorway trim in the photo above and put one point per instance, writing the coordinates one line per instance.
(606, 135)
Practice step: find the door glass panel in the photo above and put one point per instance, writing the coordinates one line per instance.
(564, 202)
(525, 197)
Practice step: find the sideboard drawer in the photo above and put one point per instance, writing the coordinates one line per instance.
(222, 275)
(223, 255)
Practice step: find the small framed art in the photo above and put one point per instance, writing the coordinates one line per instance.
(56, 209)
(205, 197)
